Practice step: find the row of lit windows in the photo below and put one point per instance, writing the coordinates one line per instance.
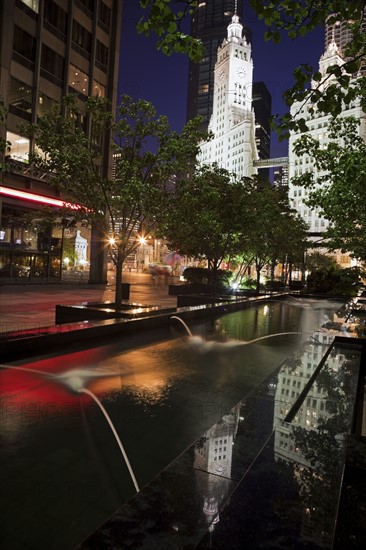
(52, 62)
(55, 15)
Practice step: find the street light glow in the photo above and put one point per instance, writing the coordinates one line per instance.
(112, 241)
(142, 240)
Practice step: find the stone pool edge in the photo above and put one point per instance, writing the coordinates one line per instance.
(18, 344)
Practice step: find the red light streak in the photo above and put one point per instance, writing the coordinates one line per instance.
(8, 191)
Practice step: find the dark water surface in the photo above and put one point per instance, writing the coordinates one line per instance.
(62, 472)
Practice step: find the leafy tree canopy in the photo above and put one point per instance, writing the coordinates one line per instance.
(165, 19)
(294, 18)
(338, 183)
(131, 202)
(206, 213)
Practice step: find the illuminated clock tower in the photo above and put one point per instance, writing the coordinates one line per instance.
(232, 121)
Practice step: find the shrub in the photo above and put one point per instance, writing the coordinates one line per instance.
(274, 285)
(201, 275)
(296, 285)
(334, 280)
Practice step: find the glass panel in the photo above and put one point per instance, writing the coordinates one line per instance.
(98, 89)
(55, 16)
(45, 104)
(19, 148)
(78, 80)
(104, 14)
(20, 95)
(24, 44)
(32, 4)
(52, 62)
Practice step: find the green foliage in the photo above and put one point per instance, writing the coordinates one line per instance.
(338, 184)
(274, 285)
(335, 280)
(205, 215)
(165, 18)
(297, 18)
(3, 142)
(202, 275)
(316, 261)
(131, 202)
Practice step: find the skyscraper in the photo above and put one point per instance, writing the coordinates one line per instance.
(209, 23)
(48, 49)
(317, 123)
(232, 123)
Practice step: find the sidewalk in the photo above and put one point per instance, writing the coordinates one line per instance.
(32, 306)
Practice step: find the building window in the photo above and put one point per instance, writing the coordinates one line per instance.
(19, 148)
(31, 4)
(81, 37)
(20, 98)
(24, 44)
(55, 16)
(78, 80)
(104, 14)
(98, 89)
(52, 63)
(88, 4)
(45, 104)
(102, 55)
(203, 89)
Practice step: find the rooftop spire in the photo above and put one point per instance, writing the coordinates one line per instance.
(235, 28)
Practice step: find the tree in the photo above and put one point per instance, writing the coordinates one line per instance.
(165, 19)
(205, 215)
(129, 204)
(3, 142)
(294, 18)
(276, 234)
(338, 186)
(297, 18)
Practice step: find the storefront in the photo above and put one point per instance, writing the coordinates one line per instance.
(29, 252)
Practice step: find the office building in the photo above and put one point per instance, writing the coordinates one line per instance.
(317, 123)
(209, 23)
(232, 122)
(49, 48)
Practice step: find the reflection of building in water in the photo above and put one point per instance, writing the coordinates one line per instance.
(293, 440)
(81, 247)
(214, 455)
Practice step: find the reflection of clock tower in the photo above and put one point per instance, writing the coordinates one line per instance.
(232, 121)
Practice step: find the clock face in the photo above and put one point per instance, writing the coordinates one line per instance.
(241, 73)
(222, 75)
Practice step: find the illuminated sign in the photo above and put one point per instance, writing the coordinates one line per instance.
(16, 193)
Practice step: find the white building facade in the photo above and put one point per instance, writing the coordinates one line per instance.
(317, 123)
(232, 123)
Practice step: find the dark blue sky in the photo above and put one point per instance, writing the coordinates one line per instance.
(148, 74)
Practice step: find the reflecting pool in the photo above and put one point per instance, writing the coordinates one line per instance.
(62, 471)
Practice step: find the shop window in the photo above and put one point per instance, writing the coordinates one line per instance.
(20, 98)
(52, 63)
(24, 44)
(19, 148)
(78, 80)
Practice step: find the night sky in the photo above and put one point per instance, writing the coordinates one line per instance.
(148, 74)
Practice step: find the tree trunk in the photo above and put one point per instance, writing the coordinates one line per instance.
(258, 269)
(98, 257)
(273, 265)
(119, 272)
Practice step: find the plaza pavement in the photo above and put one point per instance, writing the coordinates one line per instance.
(25, 306)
